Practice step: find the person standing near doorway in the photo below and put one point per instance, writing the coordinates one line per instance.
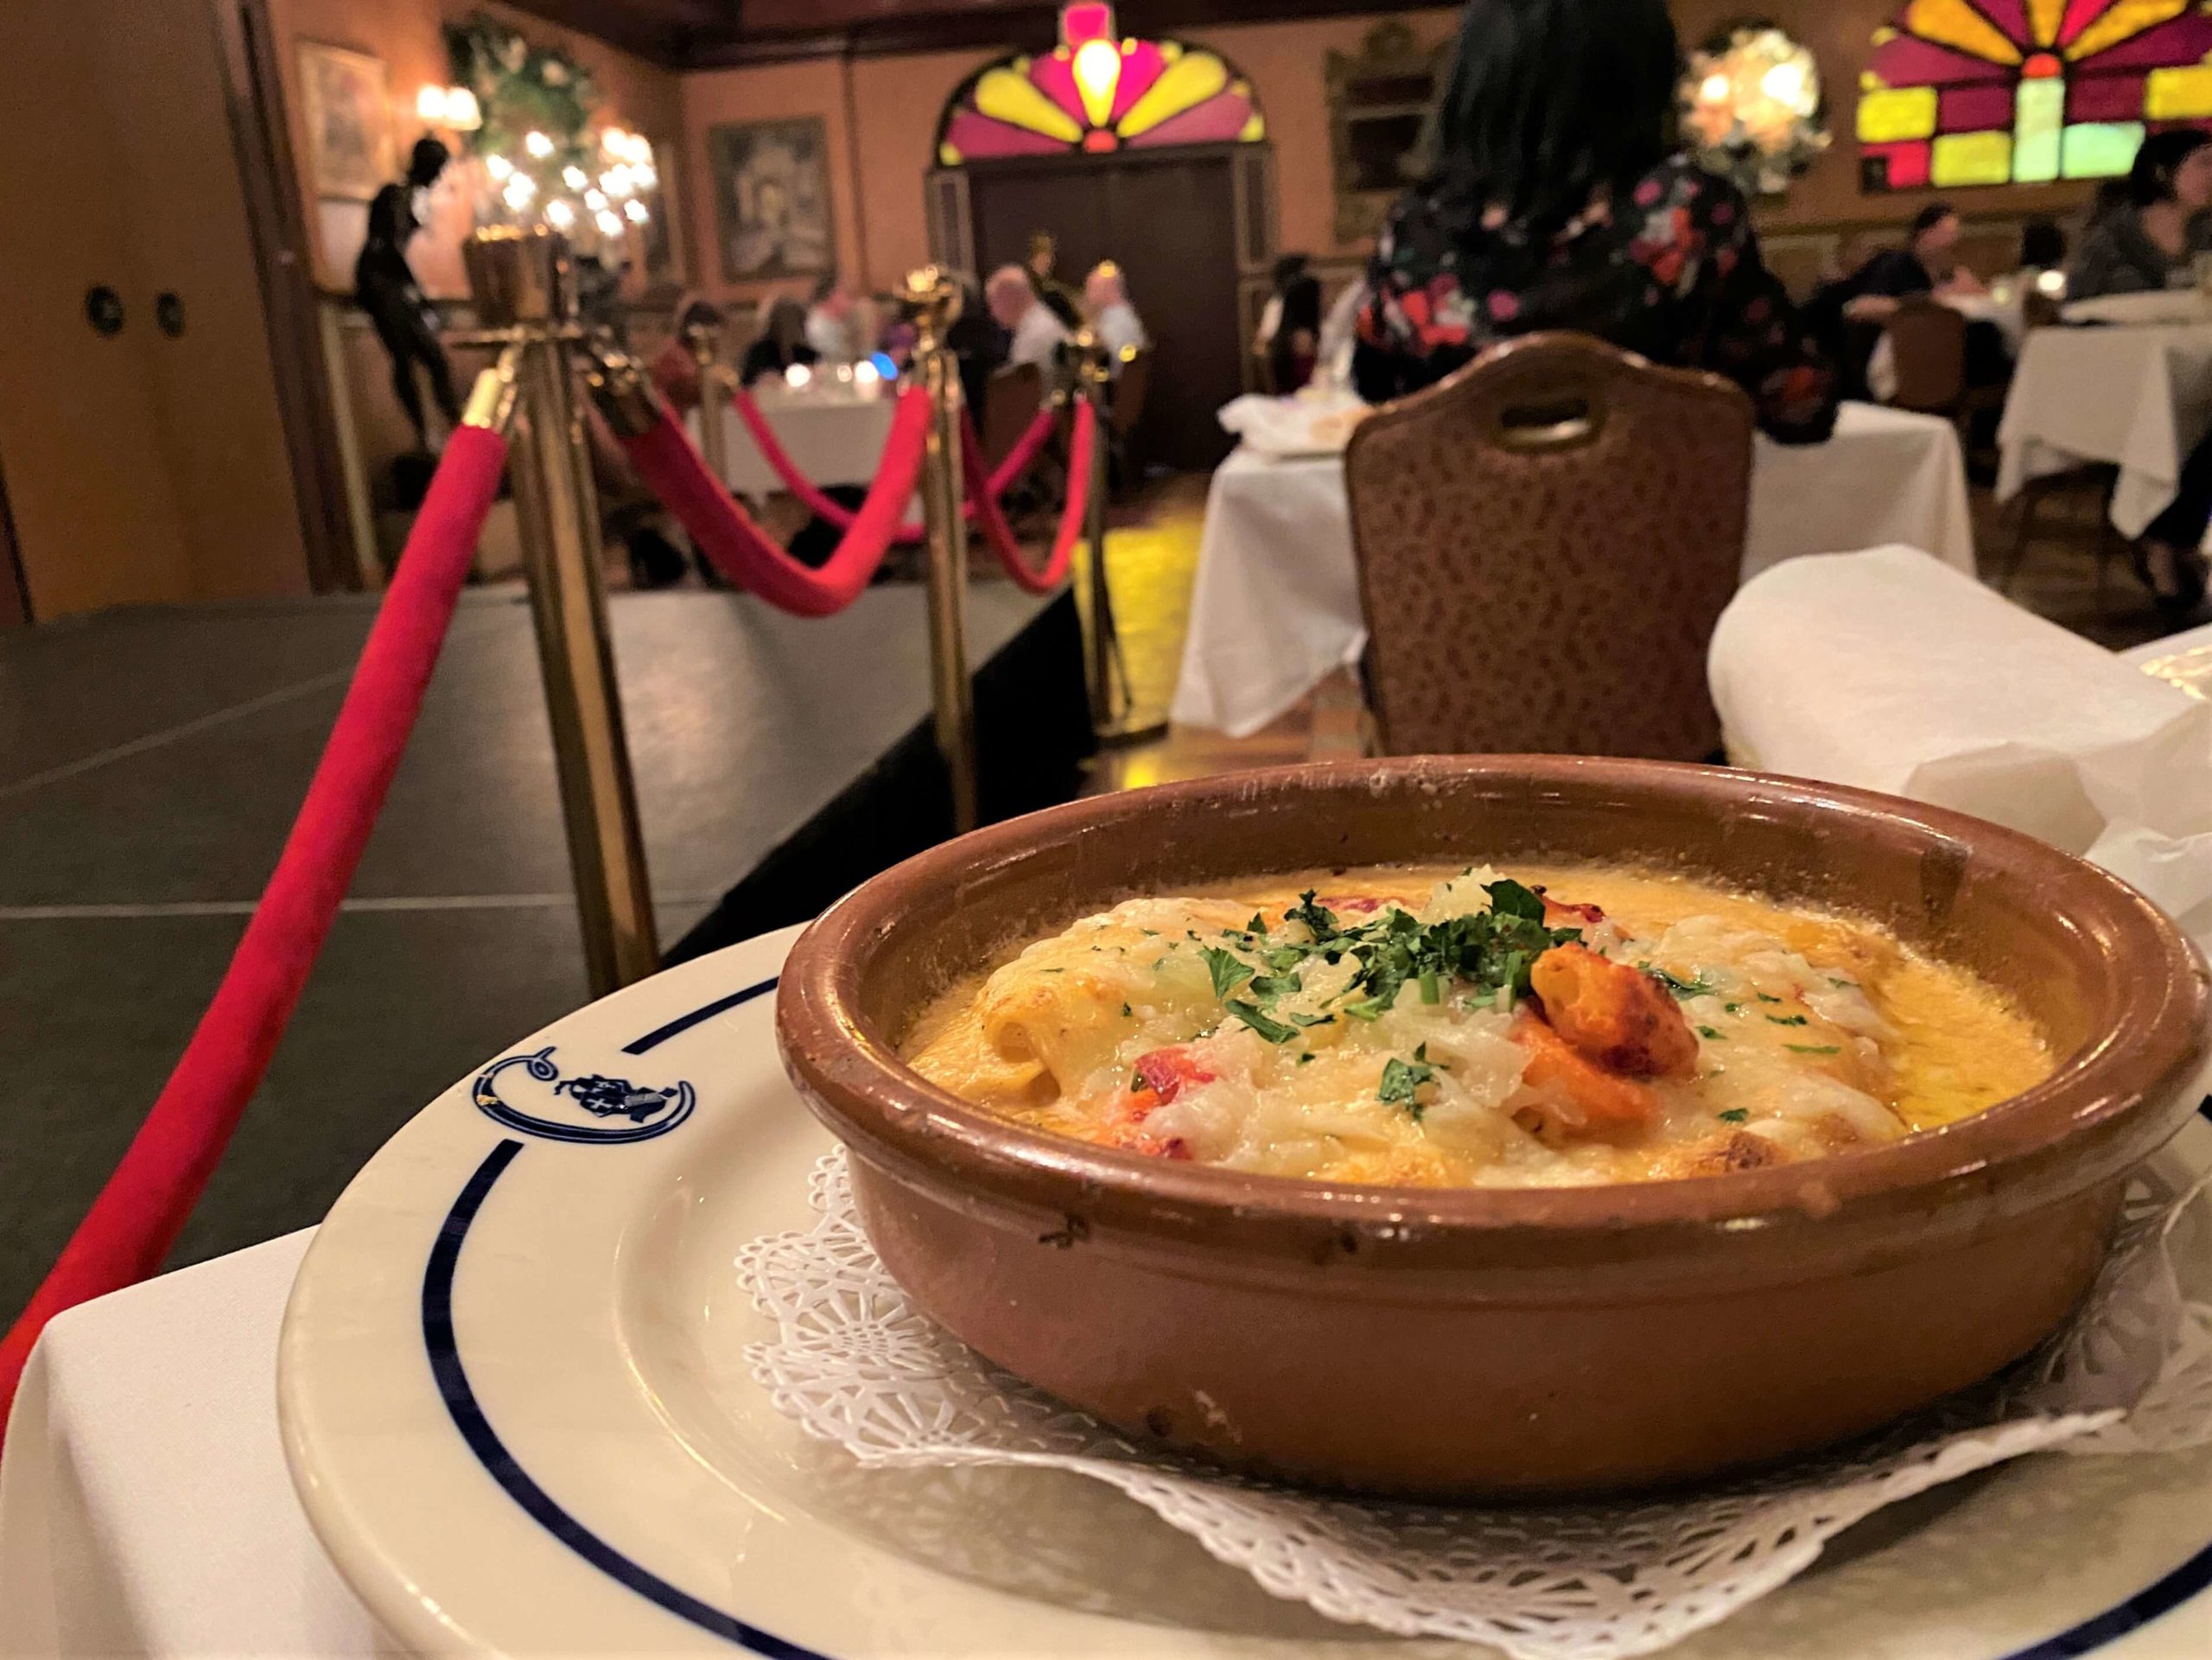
(1057, 296)
(385, 286)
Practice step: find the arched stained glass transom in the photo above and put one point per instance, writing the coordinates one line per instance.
(1098, 92)
(2015, 91)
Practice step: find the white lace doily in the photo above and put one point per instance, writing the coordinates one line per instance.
(856, 1365)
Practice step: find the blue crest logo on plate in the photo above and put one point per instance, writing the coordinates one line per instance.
(586, 1108)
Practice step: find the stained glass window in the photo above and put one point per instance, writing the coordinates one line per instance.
(2017, 92)
(1097, 93)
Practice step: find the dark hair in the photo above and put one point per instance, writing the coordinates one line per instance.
(2151, 179)
(1288, 268)
(785, 323)
(1550, 100)
(825, 286)
(427, 160)
(1301, 304)
(1931, 216)
(2043, 245)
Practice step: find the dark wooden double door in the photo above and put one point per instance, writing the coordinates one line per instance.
(1169, 223)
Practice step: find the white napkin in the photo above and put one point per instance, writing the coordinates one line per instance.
(1889, 670)
(1312, 422)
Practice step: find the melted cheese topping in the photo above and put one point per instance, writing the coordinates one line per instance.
(1812, 1033)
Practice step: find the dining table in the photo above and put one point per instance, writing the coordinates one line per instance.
(1275, 607)
(146, 1507)
(834, 432)
(2135, 396)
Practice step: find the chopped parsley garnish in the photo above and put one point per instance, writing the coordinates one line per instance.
(1305, 1055)
(1735, 1115)
(1228, 972)
(1814, 1048)
(1509, 899)
(1732, 1008)
(1269, 1027)
(1683, 989)
(1269, 987)
(1788, 1020)
(1258, 925)
(1847, 985)
(1125, 1011)
(1401, 1079)
(1431, 987)
(1712, 1031)
(1764, 998)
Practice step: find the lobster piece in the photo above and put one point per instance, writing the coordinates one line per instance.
(1623, 1020)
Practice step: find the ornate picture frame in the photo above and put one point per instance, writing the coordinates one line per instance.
(773, 209)
(1379, 100)
(347, 97)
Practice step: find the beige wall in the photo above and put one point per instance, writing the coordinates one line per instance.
(407, 36)
(881, 114)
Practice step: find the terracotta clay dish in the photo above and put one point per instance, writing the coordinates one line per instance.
(1450, 1341)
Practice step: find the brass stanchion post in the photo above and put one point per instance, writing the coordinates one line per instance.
(1110, 710)
(526, 298)
(935, 301)
(714, 401)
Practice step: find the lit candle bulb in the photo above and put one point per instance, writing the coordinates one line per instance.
(574, 178)
(537, 144)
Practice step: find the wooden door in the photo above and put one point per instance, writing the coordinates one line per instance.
(147, 464)
(1169, 222)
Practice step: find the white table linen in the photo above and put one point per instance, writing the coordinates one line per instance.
(2139, 397)
(833, 437)
(2175, 306)
(1275, 608)
(1884, 670)
(145, 1508)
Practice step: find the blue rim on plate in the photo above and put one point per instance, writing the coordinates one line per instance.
(2151, 1603)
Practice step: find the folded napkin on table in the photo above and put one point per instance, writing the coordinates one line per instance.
(1313, 421)
(1889, 670)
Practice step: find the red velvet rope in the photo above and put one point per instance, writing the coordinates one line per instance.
(747, 555)
(991, 522)
(781, 464)
(131, 1225)
(836, 513)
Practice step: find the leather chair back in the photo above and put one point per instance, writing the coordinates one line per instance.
(1545, 540)
(1010, 404)
(1929, 341)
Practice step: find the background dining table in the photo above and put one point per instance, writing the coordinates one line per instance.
(2135, 395)
(834, 433)
(1277, 609)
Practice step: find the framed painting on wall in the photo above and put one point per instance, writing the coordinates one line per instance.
(348, 104)
(772, 198)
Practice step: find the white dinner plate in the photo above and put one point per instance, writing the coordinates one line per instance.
(516, 1404)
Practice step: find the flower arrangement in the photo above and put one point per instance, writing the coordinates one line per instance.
(543, 160)
(1752, 110)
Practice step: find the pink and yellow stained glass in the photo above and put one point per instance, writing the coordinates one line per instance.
(1098, 92)
(1994, 91)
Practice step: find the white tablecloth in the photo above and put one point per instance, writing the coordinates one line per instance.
(1277, 609)
(2141, 397)
(833, 438)
(145, 1505)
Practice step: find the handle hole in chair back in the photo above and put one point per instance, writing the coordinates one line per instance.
(1545, 541)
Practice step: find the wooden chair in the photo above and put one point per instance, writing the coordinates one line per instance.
(1545, 541)
(1011, 398)
(1130, 389)
(1929, 343)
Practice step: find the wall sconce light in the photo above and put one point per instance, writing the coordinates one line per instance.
(453, 107)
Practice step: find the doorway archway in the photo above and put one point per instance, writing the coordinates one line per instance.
(1152, 153)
